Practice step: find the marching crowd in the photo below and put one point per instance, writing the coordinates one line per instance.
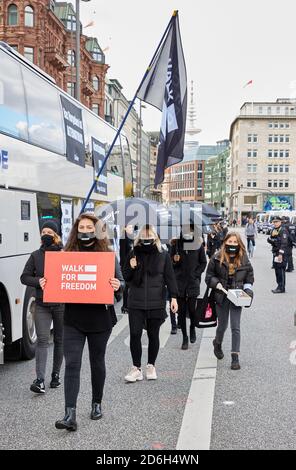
(148, 275)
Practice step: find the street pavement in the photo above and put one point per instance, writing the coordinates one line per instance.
(253, 408)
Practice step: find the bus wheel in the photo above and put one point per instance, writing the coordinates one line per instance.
(29, 331)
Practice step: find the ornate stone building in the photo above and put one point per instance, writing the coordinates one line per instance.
(44, 32)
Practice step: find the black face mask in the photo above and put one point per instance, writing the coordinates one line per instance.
(86, 238)
(47, 240)
(232, 249)
(147, 241)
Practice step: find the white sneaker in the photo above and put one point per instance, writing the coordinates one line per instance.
(134, 375)
(151, 372)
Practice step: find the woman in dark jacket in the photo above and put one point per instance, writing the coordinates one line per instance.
(148, 270)
(126, 244)
(45, 313)
(230, 268)
(93, 322)
(189, 262)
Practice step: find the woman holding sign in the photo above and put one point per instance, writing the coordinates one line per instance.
(46, 313)
(230, 268)
(148, 270)
(93, 322)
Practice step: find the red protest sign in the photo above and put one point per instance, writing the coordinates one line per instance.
(79, 277)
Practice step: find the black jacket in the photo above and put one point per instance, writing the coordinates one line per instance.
(217, 272)
(189, 269)
(125, 247)
(279, 240)
(34, 271)
(148, 281)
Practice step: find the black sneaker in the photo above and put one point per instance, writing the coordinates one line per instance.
(38, 386)
(234, 362)
(218, 349)
(55, 381)
(185, 343)
(174, 330)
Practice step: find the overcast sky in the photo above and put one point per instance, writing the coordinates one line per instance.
(226, 43)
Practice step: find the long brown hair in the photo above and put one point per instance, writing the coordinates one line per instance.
(101, 243)
(242, 250)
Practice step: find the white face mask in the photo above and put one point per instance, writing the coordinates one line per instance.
(188, 236)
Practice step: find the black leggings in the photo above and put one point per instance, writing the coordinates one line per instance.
(184, 304)
(74, 341)
(136, 323)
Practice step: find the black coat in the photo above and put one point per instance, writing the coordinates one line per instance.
(125, 247)
(148, 281)
(189, 269)
(217, 272)
(34, 270)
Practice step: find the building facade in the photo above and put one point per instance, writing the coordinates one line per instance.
(263, 158)
(216, 178)
(44, 32)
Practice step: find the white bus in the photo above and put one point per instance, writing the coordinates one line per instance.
(38, 181)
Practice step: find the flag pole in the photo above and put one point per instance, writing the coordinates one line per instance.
(175, 13)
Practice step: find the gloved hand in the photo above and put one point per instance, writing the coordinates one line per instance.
(251, 294)
(219, 286)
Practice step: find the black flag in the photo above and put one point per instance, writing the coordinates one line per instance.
(165, 87)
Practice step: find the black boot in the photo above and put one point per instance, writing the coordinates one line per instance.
(218, 349)
(185, 342)
(69, 420)
(96, 411)
(192, 334)
(234, 361)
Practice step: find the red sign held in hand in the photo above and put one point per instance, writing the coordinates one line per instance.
(79, 277)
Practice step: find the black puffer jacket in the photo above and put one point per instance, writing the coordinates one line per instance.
(188, 269)
(217, 272)
(148, 281)
(34, 270)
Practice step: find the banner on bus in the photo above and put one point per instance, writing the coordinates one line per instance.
(79, 277)
(99, 154)
(75, 149)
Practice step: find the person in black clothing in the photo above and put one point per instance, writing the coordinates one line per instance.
(93, 322)
(126, 245)
(279, 240)
(291, 229)
(45, 313)
(214, 240)
(148, 270)
(230, 268)
(189, 262)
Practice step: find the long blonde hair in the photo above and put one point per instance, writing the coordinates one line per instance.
(150, 230)
(240, 255)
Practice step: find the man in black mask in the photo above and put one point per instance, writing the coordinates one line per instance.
(279, 240)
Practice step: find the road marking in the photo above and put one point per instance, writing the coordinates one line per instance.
(118, 328)
(195, 432)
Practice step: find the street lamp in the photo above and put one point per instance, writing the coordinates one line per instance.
(77, 15)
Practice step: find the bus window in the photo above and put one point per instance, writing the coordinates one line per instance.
(44, 113)
(13, 116)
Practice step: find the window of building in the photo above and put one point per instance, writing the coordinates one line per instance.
(71, 57)
(281, 153)
(275, 168)
(96, 83)
(275, 138)
(249, 153)
(281, 168)
(251, 184)
(269, 168)
(286, 183)
(281, 138)
(287, 153)
(270, 125)
(29, 53)
(286, 168)
(71, 88)
(269, 184)
(29, 16)
(276, 125)
(71, 23)
(12, 15)
(270, 153)
(287, 125)
(281, 183)
(14, 47)
(97, 54)
(95, 108)
(275, 153)
(270, 138)
(287, 139)
(255, 138)
(275, 183)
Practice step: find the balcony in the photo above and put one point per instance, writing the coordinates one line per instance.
(88, 88)
(54, 57)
